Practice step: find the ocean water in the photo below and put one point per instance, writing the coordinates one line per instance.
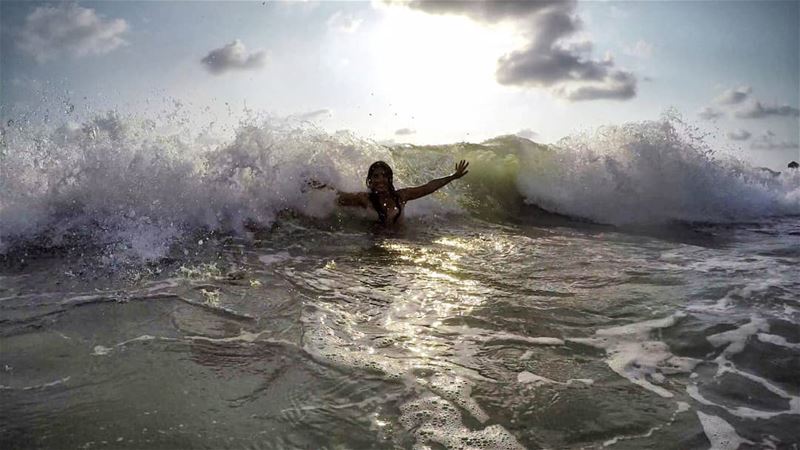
(626, 288)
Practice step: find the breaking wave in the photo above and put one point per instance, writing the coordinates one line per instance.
(121, 182)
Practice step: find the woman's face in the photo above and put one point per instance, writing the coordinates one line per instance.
(379, 181)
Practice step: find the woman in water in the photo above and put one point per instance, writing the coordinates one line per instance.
(387, 201)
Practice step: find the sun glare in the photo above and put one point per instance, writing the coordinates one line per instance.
(431, 65)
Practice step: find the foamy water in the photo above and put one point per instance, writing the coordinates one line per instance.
(159, 292)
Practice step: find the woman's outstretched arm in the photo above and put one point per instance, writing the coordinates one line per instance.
(360, 199)
(432, 186)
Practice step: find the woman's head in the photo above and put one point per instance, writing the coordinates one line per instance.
(380, 180)
(380, 177)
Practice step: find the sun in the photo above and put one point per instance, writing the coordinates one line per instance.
(436, 64)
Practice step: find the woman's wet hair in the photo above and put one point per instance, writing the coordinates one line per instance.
(373, 196)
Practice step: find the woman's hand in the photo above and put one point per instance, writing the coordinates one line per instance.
(461, 169)
(313, 184)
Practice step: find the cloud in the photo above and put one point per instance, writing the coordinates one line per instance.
(734, 96)
(769, 141)
(66, 28)
(527, 133)
(641, 49)
(739, 135)
(405, 132)
(233, 56)
(311, 115)
(548, 60)
(709, 113)
(344, 23)
(482, 11)
(614, 86)
(756, 110)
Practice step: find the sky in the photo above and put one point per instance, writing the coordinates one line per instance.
(420, 71)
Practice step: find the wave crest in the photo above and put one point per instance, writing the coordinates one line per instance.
(119, 182)
(653, 172)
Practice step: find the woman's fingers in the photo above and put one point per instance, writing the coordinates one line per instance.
(461, 168)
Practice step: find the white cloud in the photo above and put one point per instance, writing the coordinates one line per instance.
(739, 135)
(344, 22)
(66, 28)
(709, 113)
(233, 56)
(548, 60)
(527, 133)
(769, 141)
(641, 49)
(734, 96)
(757, 110)
(405, 132)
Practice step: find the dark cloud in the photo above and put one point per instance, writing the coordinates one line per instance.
(617, 85)
(734, 96)
(548, 60)
(66, 28)
(709, 113)
(739, 135)
(311, 115)
(233, 56)
(484, 11)
(757, 110)
(769, 141)
(404, 132)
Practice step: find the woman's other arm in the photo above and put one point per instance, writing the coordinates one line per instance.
(359, 199)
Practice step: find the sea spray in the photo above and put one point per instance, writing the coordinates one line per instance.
(137, 185)
(117, 181)
(652, 172)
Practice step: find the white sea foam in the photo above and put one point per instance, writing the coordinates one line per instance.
(538, 380)
(743, 411)
(778, 340)
(736, 339)
(652, 172)
(435, 420)
(635, 356)
(492, 337)
(721, 434)
(100, 350)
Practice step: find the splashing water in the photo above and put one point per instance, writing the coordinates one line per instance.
(120, 183)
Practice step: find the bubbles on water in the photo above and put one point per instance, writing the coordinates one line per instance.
(434, 420)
